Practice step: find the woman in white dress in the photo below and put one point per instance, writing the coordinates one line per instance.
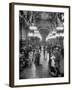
(41, 55)
(47, 57)
(45, 54)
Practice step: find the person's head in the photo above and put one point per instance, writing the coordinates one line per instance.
(52, 57)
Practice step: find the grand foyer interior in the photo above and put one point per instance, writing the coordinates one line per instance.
(40, 32)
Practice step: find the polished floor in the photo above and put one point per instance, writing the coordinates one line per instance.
(39, 71)
(36, 71)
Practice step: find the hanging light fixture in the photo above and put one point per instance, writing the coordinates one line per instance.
(32, 22)
(33, 27)
(60, 28)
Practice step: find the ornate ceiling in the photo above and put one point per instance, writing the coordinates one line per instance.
(46, 22)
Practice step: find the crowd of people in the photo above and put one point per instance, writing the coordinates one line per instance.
(38, 54)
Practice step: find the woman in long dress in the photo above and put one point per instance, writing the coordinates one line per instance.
(41, 55)
(47, 57)
(45, 54)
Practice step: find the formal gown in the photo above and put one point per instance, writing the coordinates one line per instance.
(41, 56)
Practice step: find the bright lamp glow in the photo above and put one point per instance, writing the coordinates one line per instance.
(30, 34)
(36, 31)
(59, 28)
(61, 34)
(54, 36)
(36, 34)
(33, 27)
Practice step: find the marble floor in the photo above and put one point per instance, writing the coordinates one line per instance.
(39, 71)
(36, 71)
